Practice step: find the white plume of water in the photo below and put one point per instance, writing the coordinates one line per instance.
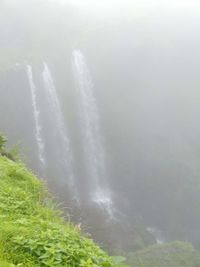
(157, 234)
(59, 125)
(36, 113)
(94, 152)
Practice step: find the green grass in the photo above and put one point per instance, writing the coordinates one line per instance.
(176, 254)
(32, 232)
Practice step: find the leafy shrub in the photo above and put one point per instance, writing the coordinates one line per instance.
(13, 154)
(3, 141)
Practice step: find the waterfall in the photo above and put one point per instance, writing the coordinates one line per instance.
(91, 134)
(36, 113)
(61, 137)
(157, 234)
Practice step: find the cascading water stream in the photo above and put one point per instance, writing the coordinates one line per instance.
(65, 154)
(91, 134)
(36, 114)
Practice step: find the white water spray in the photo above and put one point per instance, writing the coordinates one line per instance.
(92, 141)
(36, 114)
(157, 234)
(65, 154)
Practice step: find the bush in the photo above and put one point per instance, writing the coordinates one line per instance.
(3, 141)
(13, 154)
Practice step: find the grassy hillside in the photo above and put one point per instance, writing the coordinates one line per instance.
(32, 233)
(176, 254)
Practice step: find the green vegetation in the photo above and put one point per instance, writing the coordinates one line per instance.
(175, 254)
(3, 141)
(13, 154)
(32, 232)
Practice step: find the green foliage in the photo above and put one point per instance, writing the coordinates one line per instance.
(175, 254)
(33, 234)
(13, 154)
(119, 261)
(3, 141)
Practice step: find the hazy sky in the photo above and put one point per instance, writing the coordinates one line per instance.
(129, 7)
(133, 3)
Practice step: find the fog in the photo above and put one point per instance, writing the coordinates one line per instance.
(103, 97)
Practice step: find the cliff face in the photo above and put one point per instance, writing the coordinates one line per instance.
(32, 232)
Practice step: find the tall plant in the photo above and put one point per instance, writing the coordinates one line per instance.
(13, 154)
(3, 141)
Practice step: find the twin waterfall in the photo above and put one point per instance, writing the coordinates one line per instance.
(61, 138)
(98, 191)
(36, 114)
(91, 134)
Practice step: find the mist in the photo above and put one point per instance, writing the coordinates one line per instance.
(103, 97)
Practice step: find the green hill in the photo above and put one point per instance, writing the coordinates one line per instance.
(32, 232)
(175, 254)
